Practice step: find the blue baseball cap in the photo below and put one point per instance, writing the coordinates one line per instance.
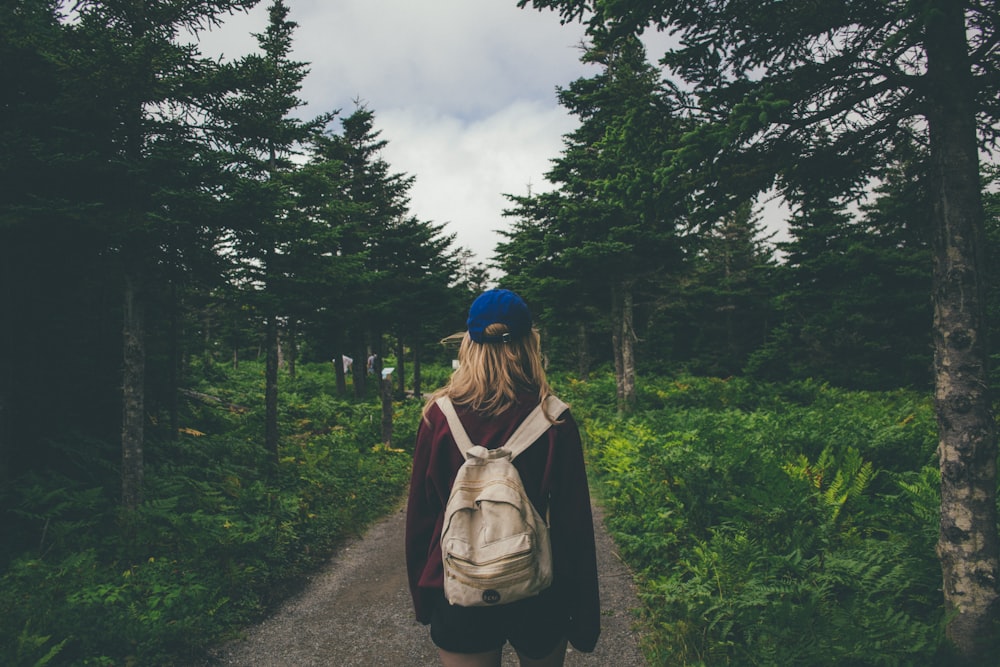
(498, 306)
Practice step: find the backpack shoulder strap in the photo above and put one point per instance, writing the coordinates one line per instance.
(534, 425)
(455, 426)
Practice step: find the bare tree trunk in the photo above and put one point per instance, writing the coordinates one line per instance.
(133, 392)
(416, 372)
(271, 388)
(174, 372)
(272, 352)
(338, 369)
(400, 369)
(236, 345)
(358, 368)
(6, 366)
(133, 312)
(583, 352)
(207, 339)
(967, 446)
(628, 340)
(616, 343)
(623, 340)
(281, 352)
(5, 425)
(293, 347)
(386, 394)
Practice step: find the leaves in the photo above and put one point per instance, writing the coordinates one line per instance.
(215, 536)
(762, 530)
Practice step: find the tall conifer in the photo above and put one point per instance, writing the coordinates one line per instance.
(263, 138)
(775, 78)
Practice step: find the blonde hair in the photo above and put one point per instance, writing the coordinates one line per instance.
(491, 375)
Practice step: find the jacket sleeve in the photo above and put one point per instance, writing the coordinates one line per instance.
(421, 516)
(573, 548)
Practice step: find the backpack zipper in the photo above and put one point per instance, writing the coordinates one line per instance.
(509, 567)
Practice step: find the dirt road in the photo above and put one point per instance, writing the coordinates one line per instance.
(356, 612)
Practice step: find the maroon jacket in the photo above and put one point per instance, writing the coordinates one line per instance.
(554, 477)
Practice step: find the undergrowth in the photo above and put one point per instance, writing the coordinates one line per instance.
(773, 524)
(217, 539)
(778, 525)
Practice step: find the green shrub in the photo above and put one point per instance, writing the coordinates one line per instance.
(773, 524)
(217, 537)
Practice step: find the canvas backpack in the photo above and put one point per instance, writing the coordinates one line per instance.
(494, 545)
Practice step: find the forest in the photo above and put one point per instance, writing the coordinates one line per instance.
(795, 440)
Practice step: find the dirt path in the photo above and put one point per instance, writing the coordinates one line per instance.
(356, 612)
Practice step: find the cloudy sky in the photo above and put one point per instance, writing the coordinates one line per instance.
(463, 90)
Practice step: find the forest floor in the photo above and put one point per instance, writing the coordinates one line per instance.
(356, 611)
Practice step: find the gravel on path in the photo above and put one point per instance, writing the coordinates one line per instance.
(356, 611)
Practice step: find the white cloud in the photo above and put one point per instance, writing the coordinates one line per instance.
(463, 169)
(463, 90)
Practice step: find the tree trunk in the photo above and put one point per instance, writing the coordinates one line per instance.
(416, 372)
(583, 352)
(358, 371)
(967, 448)
(133, 392)
(5, 413)
(174, 372)
(338, 369)
(616, 344)
(207, 339)
(628, 339)
(7, 382)
(293, 347)
(236, 344)
(386, 393)
(271, 388)
(400, 370)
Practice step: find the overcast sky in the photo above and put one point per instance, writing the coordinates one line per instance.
(464, 91)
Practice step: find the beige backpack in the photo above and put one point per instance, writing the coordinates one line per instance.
(494, 545)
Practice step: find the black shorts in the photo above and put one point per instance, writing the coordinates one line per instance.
(533, 626)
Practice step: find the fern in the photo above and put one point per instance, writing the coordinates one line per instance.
(29, 647)
(768, 527)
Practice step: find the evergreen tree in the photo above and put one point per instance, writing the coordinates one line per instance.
(819, 287)
(323, 273)
(264, 139)
(46, 130)
(420, 267)
(719, 311)
(897, 254)
(569, 305)
(141, 90)
(775, 77)
(612, 225)
(852, 293)
(378, 199)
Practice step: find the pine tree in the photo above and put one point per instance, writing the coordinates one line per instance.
(773, 78)
(264, 138)
(48, 129)
(143, 86)
(611, 227)
(719, 311)
(378, 199)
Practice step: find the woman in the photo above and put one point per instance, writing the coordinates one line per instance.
(499, 381)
